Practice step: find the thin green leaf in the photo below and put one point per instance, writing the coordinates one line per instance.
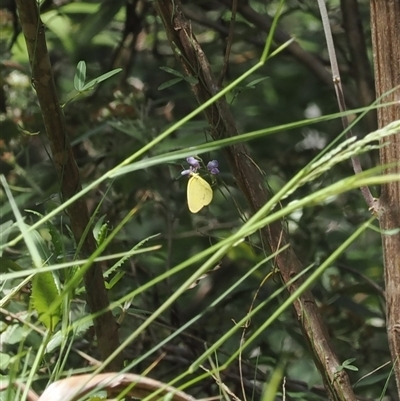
(169, 83)
(172, 71)
(191, 80)
(253, 83)
(91, 84)
(80, 76)
(351, 367)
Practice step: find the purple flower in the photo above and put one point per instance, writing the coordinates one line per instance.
(213, 167)
(194, 166)
(186, 172)
(194, 163)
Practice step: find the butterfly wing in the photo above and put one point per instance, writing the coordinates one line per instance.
(206, 194)
(199, 193)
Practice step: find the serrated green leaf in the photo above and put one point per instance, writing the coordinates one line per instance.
(102, 235)
(100, 230)
(56, 239)
(128, 255)
(80, 76)
(143, 241)
(115, 280)
(44, 293)
(169, 83)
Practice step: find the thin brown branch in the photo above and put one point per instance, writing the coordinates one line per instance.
(376, 287)
(68, 173)
(201, 18)
(228, 44)
(355, 160)
(251, 182)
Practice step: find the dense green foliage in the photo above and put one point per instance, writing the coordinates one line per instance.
(116, 118)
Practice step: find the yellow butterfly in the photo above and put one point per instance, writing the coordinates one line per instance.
(199, 193)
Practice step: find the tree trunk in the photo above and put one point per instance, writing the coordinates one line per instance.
(385, 24)
(105, 325)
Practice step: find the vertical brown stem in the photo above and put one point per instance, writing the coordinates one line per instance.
(385, 23)
(67, 170)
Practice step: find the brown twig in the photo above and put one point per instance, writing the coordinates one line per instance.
(228, 44)
(378, 289)
(251, 182)
(68, 173)
(355, 160)
(200, 17)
